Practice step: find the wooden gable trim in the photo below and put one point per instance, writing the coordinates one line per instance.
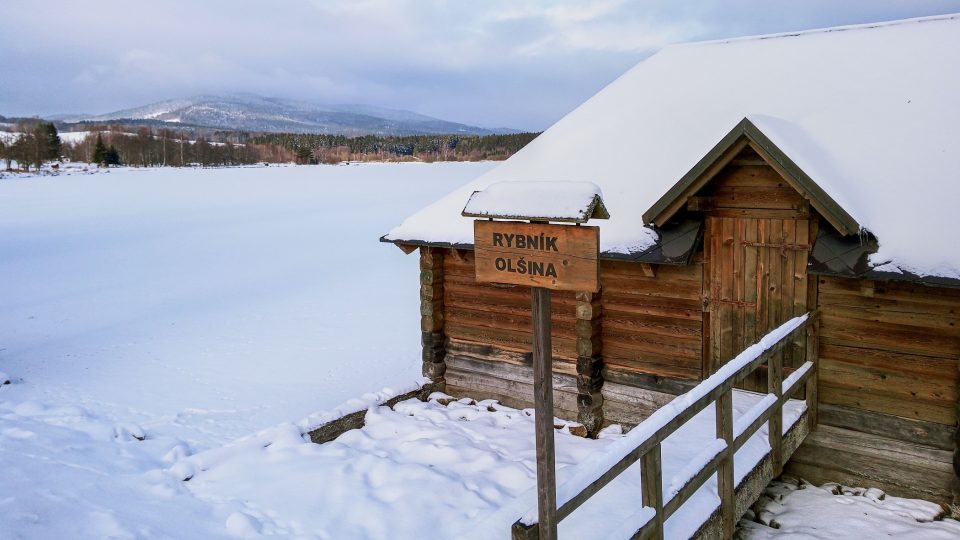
(747, 134)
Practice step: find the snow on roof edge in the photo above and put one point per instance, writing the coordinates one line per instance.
(813, 31)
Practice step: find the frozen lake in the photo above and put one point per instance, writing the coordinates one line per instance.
(197, 306)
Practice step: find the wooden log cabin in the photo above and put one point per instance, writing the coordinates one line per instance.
(748, 181)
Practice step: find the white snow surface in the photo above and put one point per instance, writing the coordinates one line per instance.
(425, 470)
(868, 112)
(553, 200)
(790, 509)
(190, 307)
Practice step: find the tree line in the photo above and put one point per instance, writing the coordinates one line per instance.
(310, 148)
(147, 146)
(37, 144)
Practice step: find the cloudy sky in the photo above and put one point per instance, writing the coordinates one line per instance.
(490, 63)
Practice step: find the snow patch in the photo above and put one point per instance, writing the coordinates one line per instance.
(551, 200)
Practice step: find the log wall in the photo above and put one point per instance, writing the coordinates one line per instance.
(889, 355)
(615, 352)
(653, 322)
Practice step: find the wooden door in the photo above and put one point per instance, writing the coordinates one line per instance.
(756, 280)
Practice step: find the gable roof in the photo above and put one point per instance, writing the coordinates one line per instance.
(746, 134)
(868, 114)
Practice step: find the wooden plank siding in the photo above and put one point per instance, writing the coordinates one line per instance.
(500, 314)
(650, 329)
(650, 324)
(889, 354)
(890, 348)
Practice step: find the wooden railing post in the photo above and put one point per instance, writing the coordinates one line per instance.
(651, 476)
(775, 427)
(725, 479)
(543, 401)
(813, 355)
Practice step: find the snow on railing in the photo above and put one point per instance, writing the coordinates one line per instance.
(643, 442)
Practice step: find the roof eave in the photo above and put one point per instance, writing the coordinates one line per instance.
(743, 134)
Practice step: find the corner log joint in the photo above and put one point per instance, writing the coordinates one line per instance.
(432, 336)
(589, 362)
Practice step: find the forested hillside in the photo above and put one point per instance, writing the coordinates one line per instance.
(146, 146)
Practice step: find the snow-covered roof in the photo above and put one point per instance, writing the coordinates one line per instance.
(574, 202)
(870, 113)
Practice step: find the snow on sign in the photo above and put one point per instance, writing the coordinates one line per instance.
(558, 257)
(536, 254)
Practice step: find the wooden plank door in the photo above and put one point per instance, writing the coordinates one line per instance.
(755, 281)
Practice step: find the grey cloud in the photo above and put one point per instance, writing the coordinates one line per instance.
(497, 63)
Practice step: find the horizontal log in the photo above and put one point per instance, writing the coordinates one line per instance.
(506, 371)
(916, 409)
(930, 434)
(889, 382)
(488, 352)
(518, 311)
(891, 289)
(660, 326)
(650, 287)
(334, 428)
(666, 272)
(656, 366)
(617, 307)
(925, 366)
(869, 311)
(900, 468)
(510, 340)
(890, 337)
(564, 327)
(652, 345)
(630, 405)
(649, 381)
(510, 393)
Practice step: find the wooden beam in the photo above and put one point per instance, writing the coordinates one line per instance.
(406, 248)
(775, 427)
(726, 485)
(651, 476)
(543, 405)
(699, 204)
(648, 270)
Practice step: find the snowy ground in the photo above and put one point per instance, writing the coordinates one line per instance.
(795, 509)
(425, 470)
(152, 320)
(195, 307)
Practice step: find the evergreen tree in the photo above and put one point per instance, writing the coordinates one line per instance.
(100, 152)
(112, 156)
(51, 142)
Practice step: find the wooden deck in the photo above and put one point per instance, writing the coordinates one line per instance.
(718, 390)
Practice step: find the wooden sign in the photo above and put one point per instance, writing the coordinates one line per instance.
(559, 257)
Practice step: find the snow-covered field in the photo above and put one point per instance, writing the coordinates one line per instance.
(192, 307)
(165, 329)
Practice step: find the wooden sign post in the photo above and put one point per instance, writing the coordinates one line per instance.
(545, 257)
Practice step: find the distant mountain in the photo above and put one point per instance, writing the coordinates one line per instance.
(262, 114)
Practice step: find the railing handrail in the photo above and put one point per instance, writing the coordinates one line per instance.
(600, 469)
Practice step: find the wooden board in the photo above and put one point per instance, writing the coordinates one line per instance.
(903, 469)
(558, 257)
(890, 348)
(652, 324)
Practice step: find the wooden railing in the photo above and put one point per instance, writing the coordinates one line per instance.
(645, 444)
